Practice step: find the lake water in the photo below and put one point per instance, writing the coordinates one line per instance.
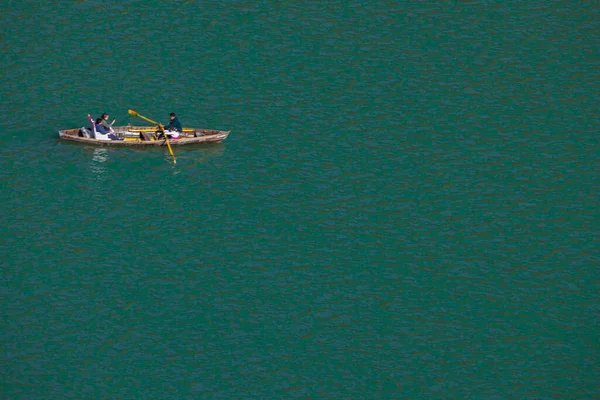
(406, 206)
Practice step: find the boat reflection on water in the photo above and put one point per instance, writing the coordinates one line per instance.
(190, 155)
(100, 155)
(188, 152)
(97, 163)
(202, 154)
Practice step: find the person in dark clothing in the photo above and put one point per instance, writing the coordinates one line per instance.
(174, 128)
(102, 133)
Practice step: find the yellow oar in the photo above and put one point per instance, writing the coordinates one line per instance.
(186, 130)
(162, 129)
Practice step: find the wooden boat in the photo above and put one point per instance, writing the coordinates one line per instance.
(144, 136)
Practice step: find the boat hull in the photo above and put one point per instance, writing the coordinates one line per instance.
(133, 138)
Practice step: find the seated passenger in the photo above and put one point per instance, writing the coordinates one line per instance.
(102, 133)
(105, 123)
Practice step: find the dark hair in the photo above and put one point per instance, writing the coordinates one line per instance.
(172, 115)
(98, 120)
(104, 115)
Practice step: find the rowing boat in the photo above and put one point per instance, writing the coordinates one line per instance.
(144, 136)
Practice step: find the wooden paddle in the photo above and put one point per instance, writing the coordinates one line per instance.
(162, 129)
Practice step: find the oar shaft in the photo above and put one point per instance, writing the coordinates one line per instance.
(142, 117)
(168, 143)
(148, 119)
